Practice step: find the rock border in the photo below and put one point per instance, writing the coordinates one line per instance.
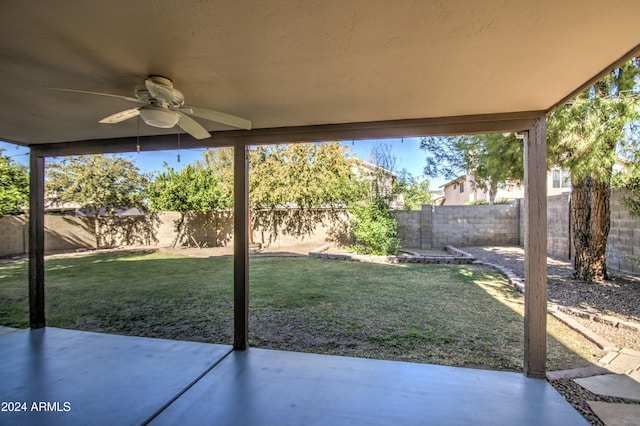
(458, 257)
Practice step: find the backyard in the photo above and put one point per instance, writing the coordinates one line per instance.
(440, 314)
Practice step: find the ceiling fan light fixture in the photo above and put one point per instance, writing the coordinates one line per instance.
(159, 117)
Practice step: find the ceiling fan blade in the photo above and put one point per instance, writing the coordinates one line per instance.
(121, 116)
(126, 98)
(218, 117)
(192, 127)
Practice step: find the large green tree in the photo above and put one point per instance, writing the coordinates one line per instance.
(414, 191)
(586, 136)
(493, 159)
(98, 184)
(300, 185)
(629, 179)
(194, 189)
(14, 186)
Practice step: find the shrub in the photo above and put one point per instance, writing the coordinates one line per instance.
(375, 229)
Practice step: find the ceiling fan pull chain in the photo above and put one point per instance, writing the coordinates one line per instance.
(178, 147)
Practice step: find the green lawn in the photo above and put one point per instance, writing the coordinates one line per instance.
(451, 315)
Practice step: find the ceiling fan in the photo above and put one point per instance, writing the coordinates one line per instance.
(163, 107)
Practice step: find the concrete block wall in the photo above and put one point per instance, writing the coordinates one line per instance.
(437, 227)
(623, 245)
(426, 217)
(65, 233)
(521, 222)
(431, 227)
(62, 233)
(409, 228)
(13, 235)
(475, 225)
(558, 232)
(215, 229)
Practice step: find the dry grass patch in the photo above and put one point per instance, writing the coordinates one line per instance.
(441, 314)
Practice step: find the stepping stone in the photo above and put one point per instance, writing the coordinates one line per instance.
(613, 414)
(575, 373)
(624, 362)
(616, 385)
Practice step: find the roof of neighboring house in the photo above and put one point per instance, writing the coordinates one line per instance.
(456, 180)
(372, 167)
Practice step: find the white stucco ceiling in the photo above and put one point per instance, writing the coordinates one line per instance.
(294, 63)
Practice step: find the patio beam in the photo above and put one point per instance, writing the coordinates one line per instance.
(36, 240)
(437, 126)
(240, 247)
(535, 246)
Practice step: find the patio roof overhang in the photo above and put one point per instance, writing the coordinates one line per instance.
(294, 63)
(306, 72)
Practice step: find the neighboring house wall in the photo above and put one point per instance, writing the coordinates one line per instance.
(463, 190)
(558, 182)
(458, 192)
(379, 179)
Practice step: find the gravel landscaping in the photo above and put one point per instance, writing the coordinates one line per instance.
(618, 298)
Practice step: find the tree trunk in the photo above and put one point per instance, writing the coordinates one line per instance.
(179, 227)
(590, 223)
(493, 192)
(96, 230)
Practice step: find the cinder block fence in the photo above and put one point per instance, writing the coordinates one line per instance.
(429, 228)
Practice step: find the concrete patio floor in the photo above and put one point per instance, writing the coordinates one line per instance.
(76, 377)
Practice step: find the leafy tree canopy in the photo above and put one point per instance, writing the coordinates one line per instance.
(630, 179)
(415, 191)
(95, 182)
(375, 229)
(586, 136)
(308, 182)
(14, 186)
(194, 188)
(308, 175)
(99, 184)
(493, 159)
